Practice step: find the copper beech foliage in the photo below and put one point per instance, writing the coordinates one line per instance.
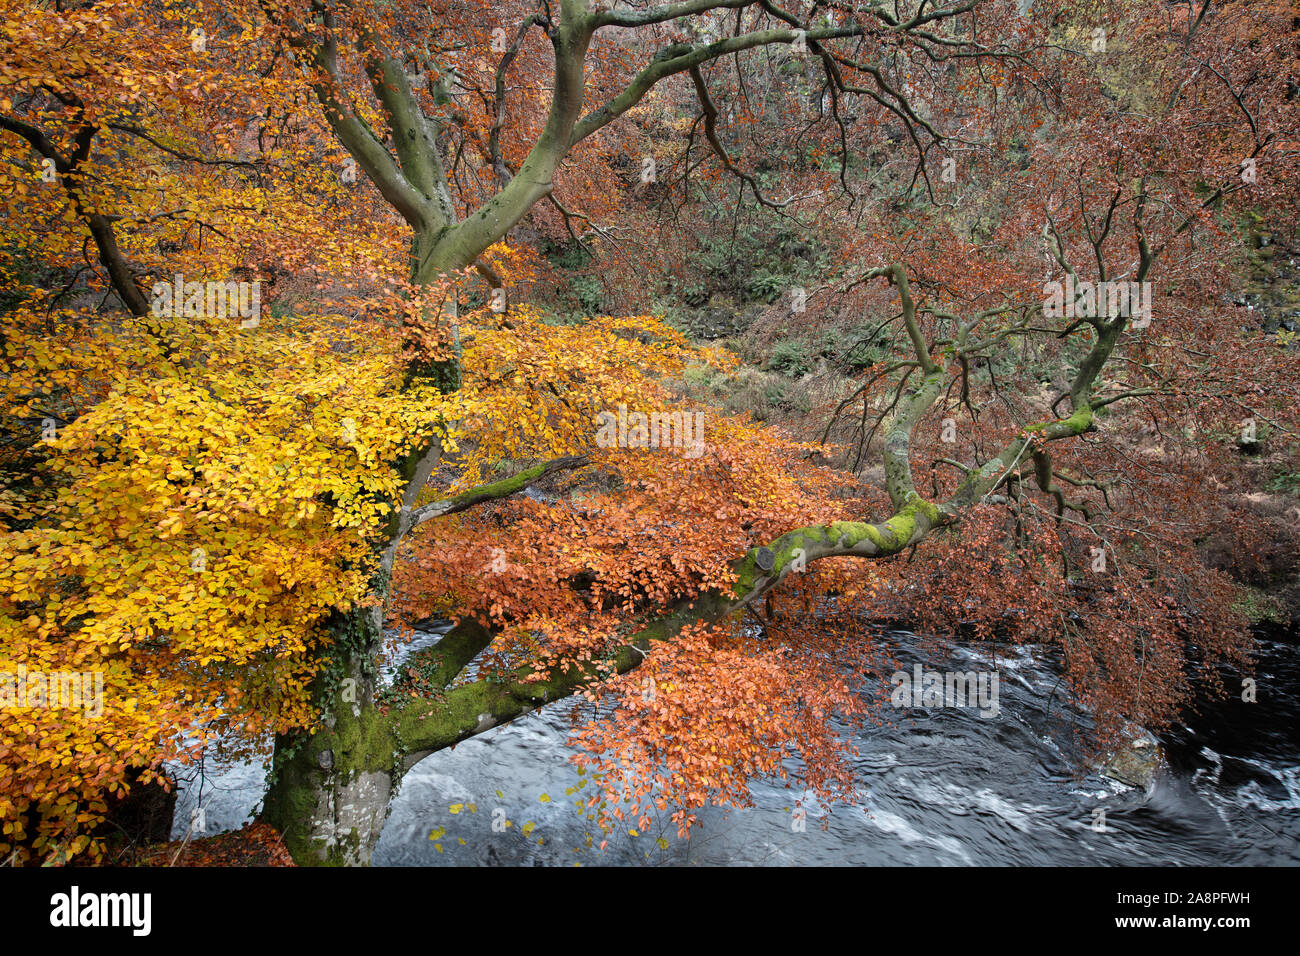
(190, 507)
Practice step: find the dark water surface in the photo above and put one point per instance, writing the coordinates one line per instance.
(941, 786)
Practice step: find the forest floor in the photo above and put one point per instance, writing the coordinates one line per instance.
(256, 844)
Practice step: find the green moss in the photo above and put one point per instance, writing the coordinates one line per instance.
(898, 532)
(901, 528)
(1081, 419)
(360, 744)
(787, 545)
(442, 720)
(1077, 424)
(502, 488)
(851, 533)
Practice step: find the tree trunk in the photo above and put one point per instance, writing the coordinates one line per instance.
(329, 790)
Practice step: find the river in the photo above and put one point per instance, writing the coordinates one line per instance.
(939, 786)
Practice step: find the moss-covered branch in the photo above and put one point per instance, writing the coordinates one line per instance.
(439, 665)
(898, 438)
(497, 489)
(426, 726)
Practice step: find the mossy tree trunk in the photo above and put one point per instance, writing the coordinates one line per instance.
(330, 790)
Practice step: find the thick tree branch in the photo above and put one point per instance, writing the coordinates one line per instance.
(681, 58)
(426, 726)
(359, 140)
(120, 274)
(414, 138)
(497, 489)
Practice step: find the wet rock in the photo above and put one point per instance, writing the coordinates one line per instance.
(1137, 763)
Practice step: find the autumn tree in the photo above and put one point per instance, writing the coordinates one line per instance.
(1120, 208)
(317, 475)
(357, 51)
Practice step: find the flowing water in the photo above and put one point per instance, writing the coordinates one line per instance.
(939, 786)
